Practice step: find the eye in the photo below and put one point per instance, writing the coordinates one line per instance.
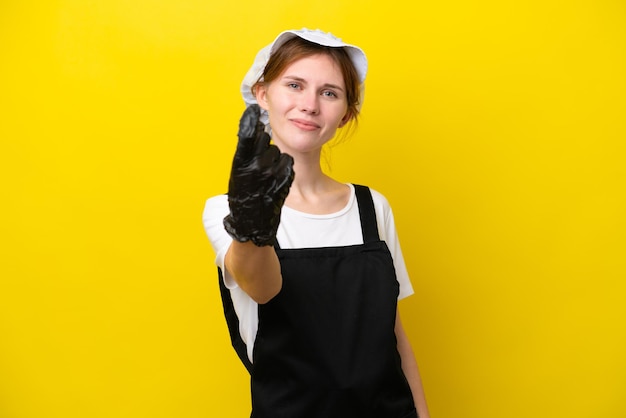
(293, 85)
(329, 93)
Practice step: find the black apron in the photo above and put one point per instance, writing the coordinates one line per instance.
(325, 345)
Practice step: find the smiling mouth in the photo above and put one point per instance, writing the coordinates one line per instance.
(305, 125)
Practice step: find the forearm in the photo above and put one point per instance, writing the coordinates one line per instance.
(255, 269)
(411, 370)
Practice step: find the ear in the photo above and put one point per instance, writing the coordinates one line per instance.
(261, 95)
(346, 118)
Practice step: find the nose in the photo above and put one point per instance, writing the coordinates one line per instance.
(309, 103)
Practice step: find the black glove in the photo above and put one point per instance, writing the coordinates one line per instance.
(259, 183)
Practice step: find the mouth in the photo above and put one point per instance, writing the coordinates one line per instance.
(305, 124)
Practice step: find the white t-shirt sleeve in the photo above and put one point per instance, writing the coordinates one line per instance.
(388, 233)
(215, 209)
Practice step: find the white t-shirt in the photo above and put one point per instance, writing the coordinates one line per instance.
(302, 230)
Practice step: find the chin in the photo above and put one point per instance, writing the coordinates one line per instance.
(300, 142)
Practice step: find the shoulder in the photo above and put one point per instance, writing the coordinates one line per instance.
(384, 216)
(215, 206)
(215, 209)
(379, 198)
(381, 204)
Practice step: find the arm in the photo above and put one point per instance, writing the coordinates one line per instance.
(260, 179)
(410, 369)
(255, 269)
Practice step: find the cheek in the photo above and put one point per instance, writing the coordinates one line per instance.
(343, 117)
(272, 101)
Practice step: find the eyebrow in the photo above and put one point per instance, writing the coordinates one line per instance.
(302, 80)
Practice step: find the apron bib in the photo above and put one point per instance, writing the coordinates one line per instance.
(326, 346)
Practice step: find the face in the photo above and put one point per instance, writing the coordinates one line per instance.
(306, 104)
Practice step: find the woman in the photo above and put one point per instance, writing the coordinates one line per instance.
(310, 268)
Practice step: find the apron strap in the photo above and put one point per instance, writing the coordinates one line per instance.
(367, 213)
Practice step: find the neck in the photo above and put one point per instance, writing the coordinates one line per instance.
(313, 191)
(309, 175)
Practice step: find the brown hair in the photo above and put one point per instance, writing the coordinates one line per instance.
(297, 48)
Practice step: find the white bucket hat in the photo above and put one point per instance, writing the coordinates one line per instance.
(255, 73)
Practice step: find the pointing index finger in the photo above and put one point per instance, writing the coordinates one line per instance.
(248, 122)
(252, 136)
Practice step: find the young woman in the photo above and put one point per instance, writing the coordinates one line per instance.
(310, 268)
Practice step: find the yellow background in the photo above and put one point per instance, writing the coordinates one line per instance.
(496, 130)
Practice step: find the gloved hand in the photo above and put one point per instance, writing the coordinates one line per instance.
(259, 183)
